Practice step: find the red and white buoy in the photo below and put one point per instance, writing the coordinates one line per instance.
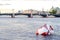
(45, 30)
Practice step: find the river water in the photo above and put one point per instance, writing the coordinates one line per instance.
(23, 28)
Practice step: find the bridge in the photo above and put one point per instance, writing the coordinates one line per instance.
(30, 15)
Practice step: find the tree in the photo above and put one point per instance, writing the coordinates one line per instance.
(52, 10)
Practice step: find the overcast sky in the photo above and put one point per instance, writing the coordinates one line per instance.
(29, 4)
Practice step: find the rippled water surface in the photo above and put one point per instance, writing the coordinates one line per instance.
(21, 28)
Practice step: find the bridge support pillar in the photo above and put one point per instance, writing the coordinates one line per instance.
(13, 16)
(30, 16)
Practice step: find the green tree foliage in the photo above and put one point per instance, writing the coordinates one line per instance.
(52, 11)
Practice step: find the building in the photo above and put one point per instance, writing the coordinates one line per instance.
(30, 11)
(58, 10)
(8, 10)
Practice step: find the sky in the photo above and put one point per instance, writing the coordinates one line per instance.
(29, 4)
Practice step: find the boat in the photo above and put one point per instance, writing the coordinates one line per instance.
(45, 30)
